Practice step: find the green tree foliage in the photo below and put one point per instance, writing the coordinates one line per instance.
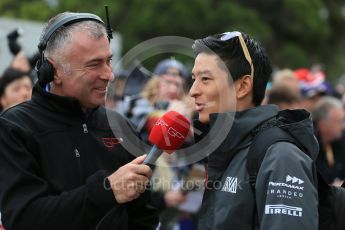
(296, 33)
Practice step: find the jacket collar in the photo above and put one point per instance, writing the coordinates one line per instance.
(244, 122)
(239, 135)
(56, 103)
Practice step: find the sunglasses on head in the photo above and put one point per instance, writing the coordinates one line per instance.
(230, 35)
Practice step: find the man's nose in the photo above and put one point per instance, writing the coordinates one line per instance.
(194, 90)
(108, 73)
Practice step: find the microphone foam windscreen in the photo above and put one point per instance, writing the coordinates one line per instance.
(170, 131)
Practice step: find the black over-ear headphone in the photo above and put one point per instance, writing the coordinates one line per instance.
(45, 70)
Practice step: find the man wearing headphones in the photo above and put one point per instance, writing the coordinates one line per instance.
(61, 166)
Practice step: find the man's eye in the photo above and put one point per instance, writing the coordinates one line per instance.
(109, 60)
(93, 64)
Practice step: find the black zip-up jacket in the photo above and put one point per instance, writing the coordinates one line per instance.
(53, 161)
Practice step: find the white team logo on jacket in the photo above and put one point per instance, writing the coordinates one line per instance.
(281, 209)
(294, 179)
(230, 184)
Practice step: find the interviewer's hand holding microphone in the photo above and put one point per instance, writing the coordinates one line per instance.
(168, 134)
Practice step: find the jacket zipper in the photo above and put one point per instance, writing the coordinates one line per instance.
(82, 162)
(77, 154)
(85, 130)
(79, 166)
(83, 147)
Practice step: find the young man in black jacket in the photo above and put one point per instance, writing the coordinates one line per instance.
(61, 165)
(230, 74)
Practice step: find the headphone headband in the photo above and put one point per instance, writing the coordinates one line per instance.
(65, 21)
(45, 71)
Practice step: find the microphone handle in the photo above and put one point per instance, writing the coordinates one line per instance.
(153, 155)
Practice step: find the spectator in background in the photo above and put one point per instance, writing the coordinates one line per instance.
(340, 86)
(116, 91)
(284, 97)
(162, 91)
(147, 108)
(25, 64)
(287, 78)
(328, 117)
(15, 87)
(313, 87)
(338, 147)
(285, 91)
(21, 63)
(172, 76)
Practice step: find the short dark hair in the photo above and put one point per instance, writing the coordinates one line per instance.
(283, 94)
(231, 53)
(10, 75)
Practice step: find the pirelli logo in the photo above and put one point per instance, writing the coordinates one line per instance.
(281, 209)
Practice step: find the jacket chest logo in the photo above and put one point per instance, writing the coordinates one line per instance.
(110, 142)
(230, 185)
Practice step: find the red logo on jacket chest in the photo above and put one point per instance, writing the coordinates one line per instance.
(110, 142)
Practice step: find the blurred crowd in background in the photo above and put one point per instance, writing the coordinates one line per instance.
(143, 95)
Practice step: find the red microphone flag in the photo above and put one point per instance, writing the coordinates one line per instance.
(170, 131)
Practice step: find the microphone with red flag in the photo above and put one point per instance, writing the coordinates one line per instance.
(168, 134)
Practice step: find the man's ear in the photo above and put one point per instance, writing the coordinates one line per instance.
(244, 87)
(58, 72)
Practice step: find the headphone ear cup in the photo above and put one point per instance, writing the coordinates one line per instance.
(45, 72)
